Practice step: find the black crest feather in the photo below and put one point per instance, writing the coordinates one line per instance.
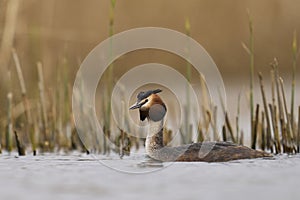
(142, 95)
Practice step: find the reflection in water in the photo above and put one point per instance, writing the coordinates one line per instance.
(150, 162)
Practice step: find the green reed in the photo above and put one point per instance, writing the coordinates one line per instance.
(188, 129)
(110, 81)
(298, 134)
(295, 51)
(251, 43)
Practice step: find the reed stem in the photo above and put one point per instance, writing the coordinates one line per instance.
(229, 128)
(224, 133)
(263, 137)
(269, 124)
(238, 117)
(298, 137)
(43, 105)
(29, 122)
(9, 131)
(189, 78)
(280, 105)
(295, 50)
(288, 120)
(200, 137)
(107, 129)
(253, 145)
(251, 41)
(241, 142)
(8, 35)
(20, 147)
(273, 88)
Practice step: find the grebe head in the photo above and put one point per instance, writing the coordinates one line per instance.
(150, 105)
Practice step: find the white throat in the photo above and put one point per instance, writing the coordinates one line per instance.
(154, 139)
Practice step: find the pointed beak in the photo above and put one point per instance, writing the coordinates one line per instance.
(135, 106)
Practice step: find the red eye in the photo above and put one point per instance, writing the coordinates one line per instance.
(146, 100)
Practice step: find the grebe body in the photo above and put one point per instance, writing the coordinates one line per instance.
(152, 108)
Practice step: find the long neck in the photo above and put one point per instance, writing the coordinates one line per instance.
(154, 140)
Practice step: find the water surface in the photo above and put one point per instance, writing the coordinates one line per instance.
(79, 176)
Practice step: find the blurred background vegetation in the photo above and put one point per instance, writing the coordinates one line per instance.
(48, 31)
(60, 33)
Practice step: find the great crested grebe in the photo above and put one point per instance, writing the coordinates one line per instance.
(152, 108)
